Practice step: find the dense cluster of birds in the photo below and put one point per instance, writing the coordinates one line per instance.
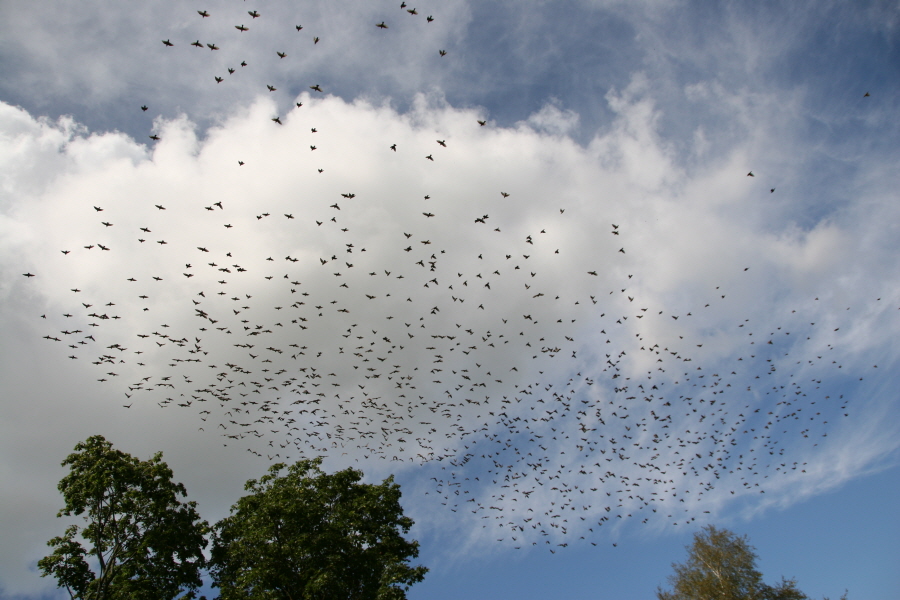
(526, 373)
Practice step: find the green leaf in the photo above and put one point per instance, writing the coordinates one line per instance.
(310, 535)
(140, 539)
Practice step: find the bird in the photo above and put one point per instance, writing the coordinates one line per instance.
(167, 43)
(482, 123)
(197, 43)
(277, 120)
(272, 88)
(219, 80)
(381, 25)
(460, 368)
(281, 54)
(144, 108)
(315, 87)
(212, 46)
(442, 52)
(253, 13)
(241, 28)
(203, 13)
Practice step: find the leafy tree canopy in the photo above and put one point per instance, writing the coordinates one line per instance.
(308, 535)
(140, 542)
(722, 566)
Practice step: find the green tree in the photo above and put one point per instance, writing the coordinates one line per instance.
(722, 566)
(141, 541)
(308, 535)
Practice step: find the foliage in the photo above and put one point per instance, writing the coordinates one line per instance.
(309, 535)
(785, 590)
(722, 566)
(142, 541)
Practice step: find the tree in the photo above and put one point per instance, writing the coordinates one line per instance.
(722, 566)
(142, 541)
(308, 535)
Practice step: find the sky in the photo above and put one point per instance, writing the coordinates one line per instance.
(583, 277)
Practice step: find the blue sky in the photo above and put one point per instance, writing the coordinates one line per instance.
(604, 314)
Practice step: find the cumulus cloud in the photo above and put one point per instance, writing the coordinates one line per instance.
(505, 345)
(579, 318)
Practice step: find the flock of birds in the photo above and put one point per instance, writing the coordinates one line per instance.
(546, 400)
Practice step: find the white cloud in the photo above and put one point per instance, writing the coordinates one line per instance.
(683, 237)
(553, 120)
(681, 206)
